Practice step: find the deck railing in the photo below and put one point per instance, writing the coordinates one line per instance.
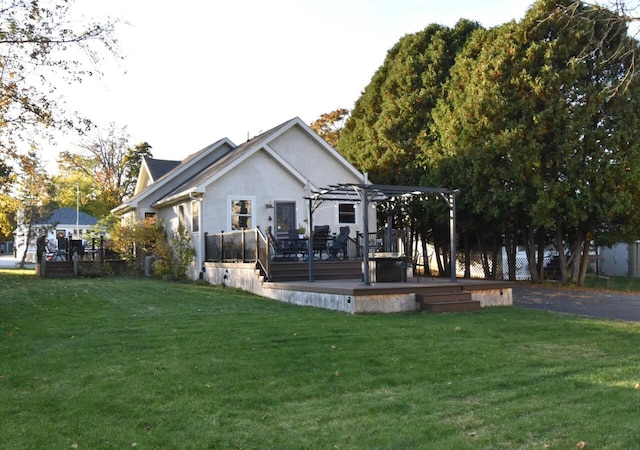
(249, 246)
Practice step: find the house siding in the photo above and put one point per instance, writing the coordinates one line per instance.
(259, 177)
(311, 159)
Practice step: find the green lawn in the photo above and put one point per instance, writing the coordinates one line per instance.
(122, 363)
(625, 284)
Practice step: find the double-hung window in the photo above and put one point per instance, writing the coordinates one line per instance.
(241, 212)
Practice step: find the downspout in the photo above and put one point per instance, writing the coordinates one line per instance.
(200, 245)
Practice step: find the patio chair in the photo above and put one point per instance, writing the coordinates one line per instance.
(338, 248)
(278, 248)
(320, 238)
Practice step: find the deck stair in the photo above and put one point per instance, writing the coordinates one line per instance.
(59, 269)
(322, 270)
(447, 299)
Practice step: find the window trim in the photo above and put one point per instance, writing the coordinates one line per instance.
(195, 218)
(230, 215)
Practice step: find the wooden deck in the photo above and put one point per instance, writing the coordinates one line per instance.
(435, 295)
(412, 285)
(352, 296)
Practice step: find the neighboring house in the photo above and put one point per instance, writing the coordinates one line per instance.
(261, 183)
(63, 223)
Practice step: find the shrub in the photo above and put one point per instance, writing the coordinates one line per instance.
(148, 238)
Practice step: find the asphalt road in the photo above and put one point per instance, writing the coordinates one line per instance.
(602, 304)
(9, 262)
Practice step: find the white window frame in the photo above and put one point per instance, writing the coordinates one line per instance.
(182, 216)
(195, 216)
(252, 215)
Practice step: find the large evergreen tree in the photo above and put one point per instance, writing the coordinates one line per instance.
(392, 117)
(531, 123)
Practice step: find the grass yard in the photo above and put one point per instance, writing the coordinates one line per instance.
(134, 363)
(624, 284)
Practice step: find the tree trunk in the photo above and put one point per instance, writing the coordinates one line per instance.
(467, 255)
(562, 256)
(26, 247)
(511, 249)
(494, 256)
(531, 254)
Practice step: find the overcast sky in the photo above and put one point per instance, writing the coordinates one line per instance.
(196, 71)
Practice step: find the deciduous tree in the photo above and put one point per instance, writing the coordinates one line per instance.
(40, 47)
(132, 162)
(33, 199)
(329, 125)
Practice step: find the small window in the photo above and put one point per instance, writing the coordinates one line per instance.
(195, 216)
(149, 215)
(347, 213)
(181, 216)
(241, 214)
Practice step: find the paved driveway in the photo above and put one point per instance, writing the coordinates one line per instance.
(603, 304)
(9, 262)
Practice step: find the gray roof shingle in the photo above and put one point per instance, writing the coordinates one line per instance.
(160, 167)
(68, 216)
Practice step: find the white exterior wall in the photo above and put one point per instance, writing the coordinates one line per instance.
(265, 181)
(259, 178)
(307, 156)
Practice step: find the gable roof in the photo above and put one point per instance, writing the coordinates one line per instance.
(183, 165)
(67, 216)
(261, 142)
(160, 167)
(217, 163)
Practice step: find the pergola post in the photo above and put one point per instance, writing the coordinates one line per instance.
(452, 234)
(310, 242)
(365, 228)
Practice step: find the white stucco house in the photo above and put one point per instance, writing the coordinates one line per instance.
(260, 183)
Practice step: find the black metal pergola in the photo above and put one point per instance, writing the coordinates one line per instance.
(376, 193)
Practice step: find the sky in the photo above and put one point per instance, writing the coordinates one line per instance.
(196, 71)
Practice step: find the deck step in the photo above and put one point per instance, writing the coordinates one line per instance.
(59, 269)
(322, 270)
(450, 307)
(455, 300)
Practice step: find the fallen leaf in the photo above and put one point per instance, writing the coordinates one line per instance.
(337, 373)
(457, 329)
(74, 445)
(637, 385)
(581, 444)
